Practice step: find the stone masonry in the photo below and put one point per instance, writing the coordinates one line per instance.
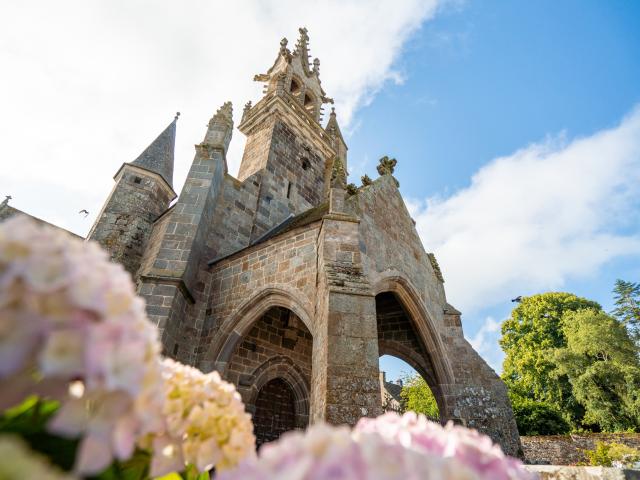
(286, 280)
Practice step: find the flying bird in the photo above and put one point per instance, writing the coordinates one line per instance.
(86, 212)
(518, 299)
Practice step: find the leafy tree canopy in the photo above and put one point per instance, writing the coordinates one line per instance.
(626, 297)
(418, 397)
(529, 339)
(537, 418)
(601, 363)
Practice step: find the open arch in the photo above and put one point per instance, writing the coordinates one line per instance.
(240, 322)
(294, 87)
(406, 332)
(309, 104)
(406, 389)
(411, 302)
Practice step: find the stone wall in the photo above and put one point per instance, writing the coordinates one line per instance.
(569, 449)
(286, 264)
(279, 333)
(124, 225)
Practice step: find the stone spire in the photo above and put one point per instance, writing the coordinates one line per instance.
(158, 157)
(332, 127)
(220, 128)
(335, 137)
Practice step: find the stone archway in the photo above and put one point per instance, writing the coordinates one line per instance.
(425, 329)
(400, 335)
(239, 324)
(271, 366)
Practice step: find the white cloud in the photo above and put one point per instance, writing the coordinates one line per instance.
(480, 342)
(550, 212)
(86, 84)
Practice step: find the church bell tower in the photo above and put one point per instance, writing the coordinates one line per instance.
(286, 145)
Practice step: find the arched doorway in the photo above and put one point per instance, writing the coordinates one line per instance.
(271, 366)
(275, 411)
(399, 338)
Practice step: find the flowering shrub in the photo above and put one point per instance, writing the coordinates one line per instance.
(388, 447)
(206, 422)
(73, 330)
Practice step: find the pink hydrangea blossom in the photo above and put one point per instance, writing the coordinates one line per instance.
(71, 317)
(73, 329)
(389, 447)
(467, 446)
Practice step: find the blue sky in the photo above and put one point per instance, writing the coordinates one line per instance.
(516, 124)
(489, 78)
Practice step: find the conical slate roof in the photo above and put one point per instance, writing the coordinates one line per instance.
(158, 157)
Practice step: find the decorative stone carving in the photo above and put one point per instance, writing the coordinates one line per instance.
(246, 110)
(435, 266)
(338, 174)
(283, 46)
(387, 166)
(366, 180)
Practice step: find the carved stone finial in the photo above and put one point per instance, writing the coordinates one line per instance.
(435, 266)
(387, 166)
(338, 174)
(316, 66)
(304, 37)
(225, 110)
(366, 180)
(177, 115)
(246, 109)
(6, 200)
(283, 46)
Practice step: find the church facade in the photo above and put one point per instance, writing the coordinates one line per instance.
(287, 280)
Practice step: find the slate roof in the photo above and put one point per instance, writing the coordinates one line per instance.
(158, 157)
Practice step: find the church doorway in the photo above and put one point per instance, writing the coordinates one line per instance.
(271, 367)
(275, 411)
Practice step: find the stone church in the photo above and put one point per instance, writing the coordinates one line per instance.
(288, 280)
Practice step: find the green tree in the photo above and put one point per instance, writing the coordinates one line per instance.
(537, 418)
(600, 360)
(418, 397)
(529, 339)
(626, 296)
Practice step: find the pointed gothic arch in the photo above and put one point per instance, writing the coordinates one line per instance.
(250, 311)
(412, 337)
(410, 300)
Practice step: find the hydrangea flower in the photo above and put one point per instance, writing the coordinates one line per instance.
(73, 329)
(20, 463)
(468, 447)
(206, 422)
(387, 448)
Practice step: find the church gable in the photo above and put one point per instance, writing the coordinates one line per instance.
(389, 240)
